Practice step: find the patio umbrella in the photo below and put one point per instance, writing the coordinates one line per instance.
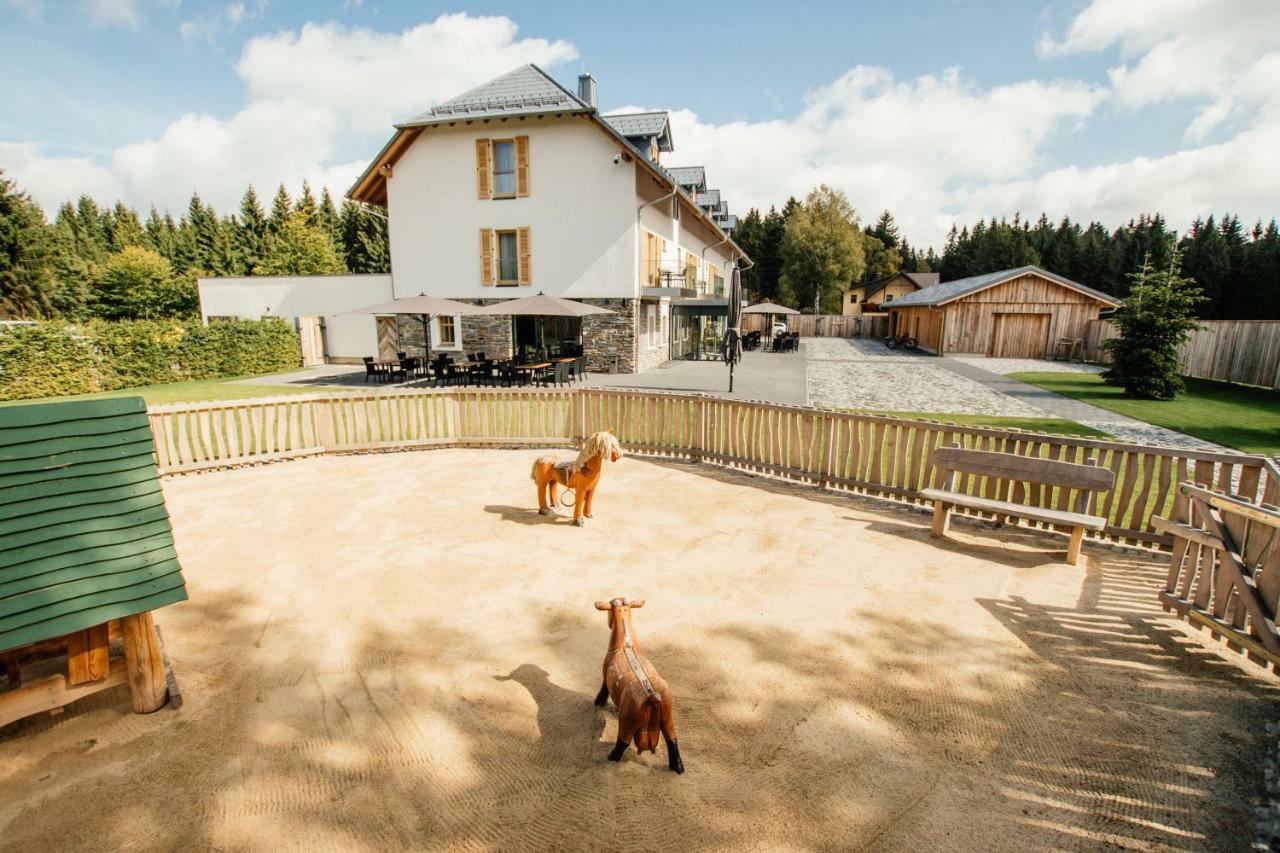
(542, 305)
(733, 334)
(427, 308)
(769, 308)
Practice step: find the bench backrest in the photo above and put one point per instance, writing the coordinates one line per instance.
(84, 535)
(1009, 466)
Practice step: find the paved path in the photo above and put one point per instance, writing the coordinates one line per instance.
(774, 377)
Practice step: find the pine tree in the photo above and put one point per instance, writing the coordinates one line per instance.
(750, 236)
(306, 206)
(886, 231)
(26, 276)
(122, 227)
(250, 231)
(299, 249)
(1205, 260)
(364, 240)
(281, 207)
(1153, 322)
(1262, 272)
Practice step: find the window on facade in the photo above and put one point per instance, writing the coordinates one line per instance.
(508, 260)
(888, 297)
(504, 169)
(446, 332)
(651, 318)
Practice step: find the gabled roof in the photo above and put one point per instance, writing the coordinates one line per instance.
(729, 222)
(528, 90)
(919, 279)
(949, 291)
(689, 176)
(709, 199)
(654, 125)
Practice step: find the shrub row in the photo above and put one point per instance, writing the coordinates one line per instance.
(54, 358)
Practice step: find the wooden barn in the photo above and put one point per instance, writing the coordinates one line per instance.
(1017, 313)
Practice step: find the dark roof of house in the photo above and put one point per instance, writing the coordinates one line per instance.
(949, 291)
(528, 90)
(689, 176)
(709, 199)
(652, 125)
(919, 279)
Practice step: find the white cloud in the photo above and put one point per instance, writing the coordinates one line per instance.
(308, 92)
(1221, 54)
(122, 13)
(913, 146)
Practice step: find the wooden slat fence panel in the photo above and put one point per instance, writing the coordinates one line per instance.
(823, 325)
(1244, 351)
(876, 455)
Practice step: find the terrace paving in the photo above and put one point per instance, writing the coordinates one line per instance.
(395, 651)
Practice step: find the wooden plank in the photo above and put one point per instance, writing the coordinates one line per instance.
(1008, 466)
(87, 655)
(50, 693)
(1051, 516)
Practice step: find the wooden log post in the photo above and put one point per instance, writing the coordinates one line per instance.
(147, 687)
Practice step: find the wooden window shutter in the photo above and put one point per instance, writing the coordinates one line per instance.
(523, 251)
(646, 260)
(484, 182)
(486, 256)
(522, 166)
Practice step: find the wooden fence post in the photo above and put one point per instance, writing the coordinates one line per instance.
(700, 441)
(829, 453)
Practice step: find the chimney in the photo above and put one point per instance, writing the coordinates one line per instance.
(587, 90)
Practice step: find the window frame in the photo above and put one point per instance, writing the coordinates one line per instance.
(437, 332)
(494, 173)
(651, 325)
(498, 280)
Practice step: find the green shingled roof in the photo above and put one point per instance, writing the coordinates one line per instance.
(84, 534)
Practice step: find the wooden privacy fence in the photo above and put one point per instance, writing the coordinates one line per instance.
(823, 325)
(880, 456)
(1245, 351)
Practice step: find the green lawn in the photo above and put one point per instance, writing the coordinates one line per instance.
(1239, 416)
(1061, 426)
(191, 392)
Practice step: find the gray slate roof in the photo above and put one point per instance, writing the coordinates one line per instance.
(950, 290)
(528, 90)
(729, 222)
(644, 126)
(689, 176)
(710, 198)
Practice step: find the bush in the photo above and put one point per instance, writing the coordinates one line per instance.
(55, 358)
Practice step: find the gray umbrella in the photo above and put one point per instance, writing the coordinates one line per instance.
(427, 308)
(544, 306)
(733, 334)
(769, 308)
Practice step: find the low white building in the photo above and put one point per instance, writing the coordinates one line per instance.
(519, 187)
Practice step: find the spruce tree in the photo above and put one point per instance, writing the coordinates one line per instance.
(364, 240)
(1153, 322)
(281, 207)
(250, 231)
(330, 222)
(26, 277)
(306, 206)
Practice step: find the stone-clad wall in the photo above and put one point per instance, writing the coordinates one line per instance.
(602, 335)
(490, 335)
(605, 334)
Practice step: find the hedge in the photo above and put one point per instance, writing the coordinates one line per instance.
(56, 358)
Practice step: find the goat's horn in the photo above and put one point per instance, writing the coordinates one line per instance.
(603, 605)
(639, 602)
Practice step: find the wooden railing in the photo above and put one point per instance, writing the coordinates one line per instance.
(881, 456)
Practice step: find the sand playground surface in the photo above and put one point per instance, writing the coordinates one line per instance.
(390, 652)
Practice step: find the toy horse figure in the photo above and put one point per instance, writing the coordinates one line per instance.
(644, 700)
(580, 475)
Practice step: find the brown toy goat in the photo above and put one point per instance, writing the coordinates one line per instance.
(644, 700)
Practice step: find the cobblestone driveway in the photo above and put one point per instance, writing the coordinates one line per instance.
(861, 373)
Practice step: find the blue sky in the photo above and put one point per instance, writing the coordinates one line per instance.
(937, 109)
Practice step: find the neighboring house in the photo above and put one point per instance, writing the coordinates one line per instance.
(873, 295)
(1015, 313)
(521, 186)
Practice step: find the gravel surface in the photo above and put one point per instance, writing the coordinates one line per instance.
(1005, 366)
(396, 652)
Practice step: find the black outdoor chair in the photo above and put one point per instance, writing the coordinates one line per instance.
(560, 372)
(373, 370)
(509, 376)
(480, 374)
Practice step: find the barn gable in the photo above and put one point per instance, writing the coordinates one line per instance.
(1023, 277)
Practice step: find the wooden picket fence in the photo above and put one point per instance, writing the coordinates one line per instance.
(1245, 351)
(880, 456)
(824, 325)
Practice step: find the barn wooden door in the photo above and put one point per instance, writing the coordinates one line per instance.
(1020, 336)
(388, 339)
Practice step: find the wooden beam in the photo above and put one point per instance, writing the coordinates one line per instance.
(145, 665)
(52, 693)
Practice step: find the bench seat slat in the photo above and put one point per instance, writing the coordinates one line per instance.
(1050, 516)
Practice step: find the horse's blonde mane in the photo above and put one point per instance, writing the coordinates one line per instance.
(596, 444)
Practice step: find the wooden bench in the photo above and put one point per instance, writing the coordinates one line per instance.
(1007, 469)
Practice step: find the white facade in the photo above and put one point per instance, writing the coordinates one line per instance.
(290, 297)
